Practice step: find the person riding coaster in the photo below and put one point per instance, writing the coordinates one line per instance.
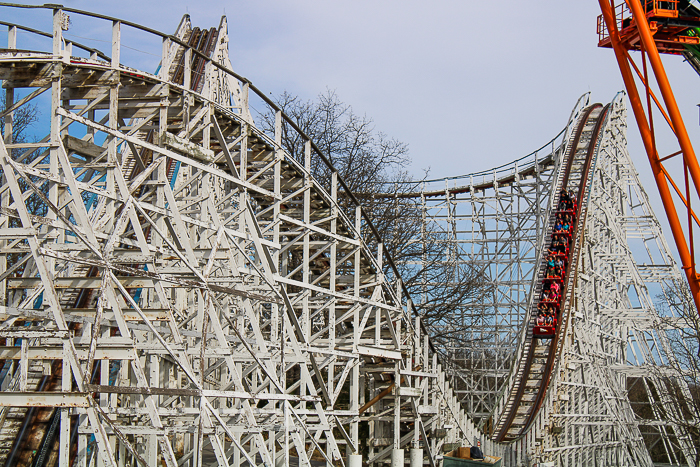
(550, 265)
(555, 287)
(552, 296)
(555, 273)
(558, 245)
(558, 262)
(564, 200)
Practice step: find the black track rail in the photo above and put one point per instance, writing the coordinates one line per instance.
(554, 347)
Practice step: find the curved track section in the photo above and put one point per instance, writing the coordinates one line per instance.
(607, 376)
(541, 348)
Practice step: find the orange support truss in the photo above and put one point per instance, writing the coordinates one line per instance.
(663, 20)
(633, 26)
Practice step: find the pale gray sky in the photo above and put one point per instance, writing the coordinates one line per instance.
(468, 85)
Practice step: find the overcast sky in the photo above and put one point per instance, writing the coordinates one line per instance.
(468, 85)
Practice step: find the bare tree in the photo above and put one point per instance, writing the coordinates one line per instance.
(22, 119)
(367, 160)
(682, 383)
(675, 392)
(374, 168)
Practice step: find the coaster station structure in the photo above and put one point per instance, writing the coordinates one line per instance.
(177, 289)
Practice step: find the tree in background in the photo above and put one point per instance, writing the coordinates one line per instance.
(23, 118)
(374, 168)
(677, 393)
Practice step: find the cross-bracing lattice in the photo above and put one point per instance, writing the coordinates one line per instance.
(177, 289)
(492, 221)
(609, 401)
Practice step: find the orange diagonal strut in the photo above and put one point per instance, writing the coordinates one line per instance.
(672, 112)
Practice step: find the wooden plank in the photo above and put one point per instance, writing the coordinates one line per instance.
(85, 148)
(44, 399)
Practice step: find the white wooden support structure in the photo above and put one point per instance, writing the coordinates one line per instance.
(177, 289)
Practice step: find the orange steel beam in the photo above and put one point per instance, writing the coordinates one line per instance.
(666, 92)
(651, 93)
(660, 174)
(680, 195)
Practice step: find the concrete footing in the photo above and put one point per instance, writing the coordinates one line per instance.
(397, 458)
(416, 457)
(355, 460)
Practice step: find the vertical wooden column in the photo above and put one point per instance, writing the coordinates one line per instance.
(277, 209)
(64, 434)
(355, 372)
(245, 106)
(397, 398)
(7, 138)
(187, 84)
(305, 313)
(113, 159)
(305, 316)
(165, 58)
(276, 325)
(332, 288)
(417, 363)
(56, 120)
(377, 310)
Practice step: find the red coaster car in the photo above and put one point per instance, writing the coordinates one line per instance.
(544, 331)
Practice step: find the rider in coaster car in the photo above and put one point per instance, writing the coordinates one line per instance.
(540, 319)
(558, 262)
(550, 265)
(548, 320)
(564, 221)
(555, 287)
(556, 273)
(557, 246)
(545, 291)
(564, 241)
(563, 200)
